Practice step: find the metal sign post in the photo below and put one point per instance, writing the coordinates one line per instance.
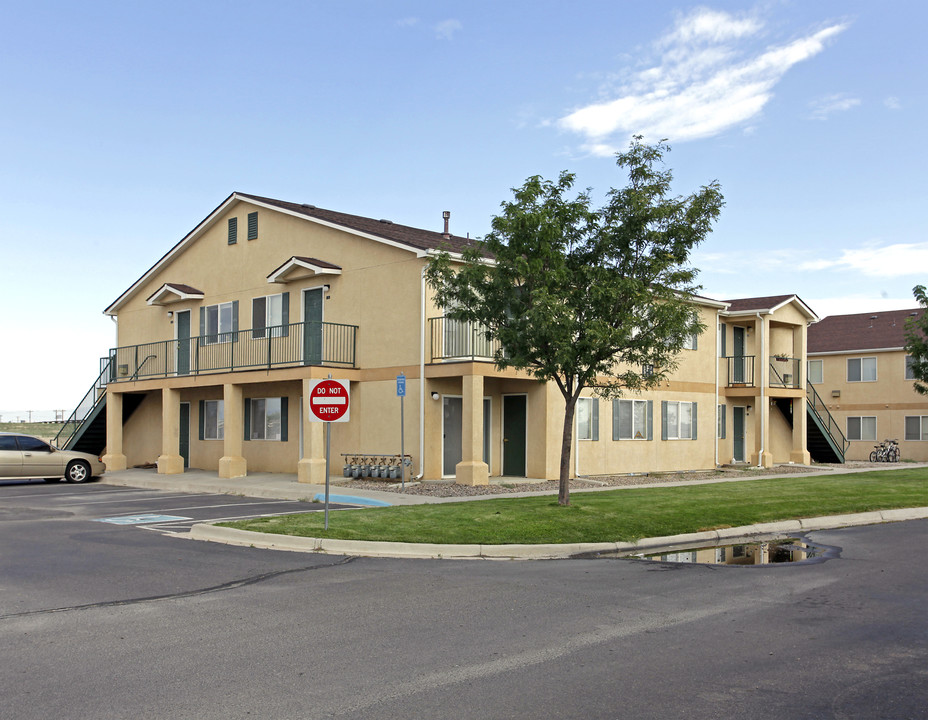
(401, 391)
(329, 402)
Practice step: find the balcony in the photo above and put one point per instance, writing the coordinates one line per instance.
(739, 371)
(783, 372)
(312, 343)
(460, 340)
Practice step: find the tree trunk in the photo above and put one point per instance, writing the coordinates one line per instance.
(563, 493)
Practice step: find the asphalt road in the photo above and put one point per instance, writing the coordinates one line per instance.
(100, 620)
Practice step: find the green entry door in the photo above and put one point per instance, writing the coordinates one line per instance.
(312, 327)
(183, 342)
(738, 417)
(184, 444)
(514, 435)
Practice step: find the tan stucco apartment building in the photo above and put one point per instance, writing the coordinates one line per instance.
(858, 364)
(221, 340)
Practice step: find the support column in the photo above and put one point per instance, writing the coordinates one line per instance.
(311, 467)
(800, 451)
(232, 464)
(472, 470)
(762, 433)
(170, 461)
(114, 459)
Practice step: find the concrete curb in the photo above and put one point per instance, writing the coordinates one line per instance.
(231, 536)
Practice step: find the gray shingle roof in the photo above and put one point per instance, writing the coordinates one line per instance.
(862, 331)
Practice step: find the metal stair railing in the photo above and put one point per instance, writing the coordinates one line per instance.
(86, 406)
(827, 421)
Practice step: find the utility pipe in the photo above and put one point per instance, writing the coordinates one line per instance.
(421, 379)
(763, 408)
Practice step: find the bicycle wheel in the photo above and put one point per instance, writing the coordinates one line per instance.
(873, 456)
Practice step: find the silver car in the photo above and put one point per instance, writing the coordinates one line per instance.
(24, 456)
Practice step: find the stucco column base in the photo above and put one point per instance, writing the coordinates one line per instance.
(765, 460)
(232, 467)
(472, 473)
(311, 470)
(801, 457)
(170, 465)
(115, 461)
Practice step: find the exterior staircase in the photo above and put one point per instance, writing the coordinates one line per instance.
(824, 439)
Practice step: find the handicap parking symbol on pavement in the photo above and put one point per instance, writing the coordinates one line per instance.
(141, 519)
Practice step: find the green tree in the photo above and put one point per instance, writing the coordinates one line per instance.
(916, 341)
(581, 297)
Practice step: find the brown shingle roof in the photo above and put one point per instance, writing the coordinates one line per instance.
(863, 331)
(413, 237)
(757, 303)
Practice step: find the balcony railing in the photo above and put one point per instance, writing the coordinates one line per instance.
(740, 370)
(311, 343)
(784, 372)
(460, 340)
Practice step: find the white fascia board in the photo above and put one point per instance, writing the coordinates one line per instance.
(167, 289)
(275, 276)
(855, 351)
(802, 306)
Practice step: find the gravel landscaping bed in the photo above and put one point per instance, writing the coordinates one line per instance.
(504, 486)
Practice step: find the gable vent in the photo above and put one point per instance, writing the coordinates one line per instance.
(386, 222)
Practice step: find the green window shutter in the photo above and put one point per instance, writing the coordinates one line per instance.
(663, 419)
(235, 321)
(202, 323)
(285, 314)
(202, 411)
(595, 419)
(650, 419)
(258, 317)
(233, 231)
(722, 421)
(247, 422)
(284, 419)
(253, 226)
(694, 421)
(722, 328)
(615, 419)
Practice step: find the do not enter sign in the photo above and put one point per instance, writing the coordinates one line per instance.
(328, 401)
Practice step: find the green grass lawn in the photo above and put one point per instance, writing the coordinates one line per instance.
(39, 429)
(617, 515)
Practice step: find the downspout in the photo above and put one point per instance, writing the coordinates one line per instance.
(763, 358)
(718, 350)
(421, 380)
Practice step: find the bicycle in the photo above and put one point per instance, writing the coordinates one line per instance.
(886, 451)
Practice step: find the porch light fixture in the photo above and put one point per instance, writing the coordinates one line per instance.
(435, 396)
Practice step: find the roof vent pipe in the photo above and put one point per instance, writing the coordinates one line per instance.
(447, 216)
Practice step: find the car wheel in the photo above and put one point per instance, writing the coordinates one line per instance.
(78, 471)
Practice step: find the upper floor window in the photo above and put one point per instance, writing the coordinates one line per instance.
(861, 428)
(691, 342)
(816, 371)
(631, 420)
(861, 369)
(909, 370)
(678, 420)
(588, 419)
(253, 226)
(233, 231)
(218, 322)
(273, 312)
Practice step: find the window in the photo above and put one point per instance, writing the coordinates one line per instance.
(253, 226)
(861, 369)
(816, 371)
(219, 322)
(722, 423)
(31, 444)
(690, 342)
(916, 427)
(266, 419)
(212, 420)
(272, 311)
(909, 370)
(233, 231)
(631, 420)
(861, 428)
(588, 419)
(8, 442)
(678, 420)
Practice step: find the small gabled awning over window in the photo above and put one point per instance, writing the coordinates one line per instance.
(174, 292)
(300, 268)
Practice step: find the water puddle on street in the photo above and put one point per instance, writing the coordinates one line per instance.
(748, 552)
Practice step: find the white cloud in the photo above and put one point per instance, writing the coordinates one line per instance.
(892, 102)
(897, 260)
(446, 29)
(838, 102)
(708, 79)
(861, 303)
(407, 22)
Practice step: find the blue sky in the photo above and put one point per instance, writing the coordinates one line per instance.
(125, 124)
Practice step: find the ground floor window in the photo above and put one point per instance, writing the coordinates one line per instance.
(212, 420)
(266, 419)
(631, 419)
(916, 427)
(722, 423)
(678, 420)
(861, 428)
(588, 419)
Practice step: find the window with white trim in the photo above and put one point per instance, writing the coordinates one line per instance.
(678, 420)
(587, 419)
(220, 323)
(265, 418)
(690, 342)
(270, 311)
(630, 420)
(861, 428)
(909, 370)
(213, 419)
(916, 427)
(861, 369)
(816, 371)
